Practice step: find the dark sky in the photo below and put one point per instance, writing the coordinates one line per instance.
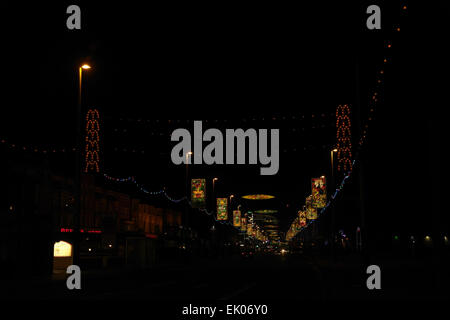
(214, 62)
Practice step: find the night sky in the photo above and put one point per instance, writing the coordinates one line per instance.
(230, 64)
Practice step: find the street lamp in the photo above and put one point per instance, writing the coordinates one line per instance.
(77, 180)
(214, 182)
(332, 166)
(187, 185)
(231, 197)
(333, 205)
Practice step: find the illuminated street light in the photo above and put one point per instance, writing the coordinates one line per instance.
(76, 245)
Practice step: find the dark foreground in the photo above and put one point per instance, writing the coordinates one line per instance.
(262, 278)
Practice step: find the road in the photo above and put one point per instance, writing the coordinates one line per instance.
(264, 278)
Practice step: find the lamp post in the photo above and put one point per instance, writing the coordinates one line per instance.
(231, 197)
(333, 214)
(188, 154)
(77, 180)
(214, 194)
(214, 182)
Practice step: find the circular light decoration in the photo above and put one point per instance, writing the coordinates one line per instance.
(266, 211)
(258, 197)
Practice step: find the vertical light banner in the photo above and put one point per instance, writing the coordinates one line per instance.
(249, 229)
(243, 224)
(319, 192)
(222, 209)
(302, 218)
(198, 193)
(311, 212)
(236, 218)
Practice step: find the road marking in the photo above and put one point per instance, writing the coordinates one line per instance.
(238, 292)
(201, 285)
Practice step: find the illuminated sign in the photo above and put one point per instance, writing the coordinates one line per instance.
(319, 192)
(222, 209)
(236, 218)
(198, 193)
(311, 212)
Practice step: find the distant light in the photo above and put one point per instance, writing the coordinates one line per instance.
(427, 238)
(90, 249)
(85, 66)
(110, 245)
(396, 237)
(335, 150)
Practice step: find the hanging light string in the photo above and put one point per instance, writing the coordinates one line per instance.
(375, 96)
(164, 193)
(34, 148)
(321, 211)
(374, 99)
(152, 122)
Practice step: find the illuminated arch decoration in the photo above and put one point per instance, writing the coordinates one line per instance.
(266, 211)
(343, 137)
(92, 151)
(258, 197)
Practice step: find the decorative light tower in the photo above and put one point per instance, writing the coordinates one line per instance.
(92, 150)
(343, 137)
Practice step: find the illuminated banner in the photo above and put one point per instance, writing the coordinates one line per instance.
(249, 229)
(198, 193)
(236, 218)
(243, 224)
(319, 192)
(302, 218)
(222, 209)
(296, 225)
(311, 213)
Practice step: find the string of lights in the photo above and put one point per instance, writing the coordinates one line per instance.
(322, 210)
(284, 150)
(303, 129)
(375, 93)
(245, 119)
(373, 102)
(34, 148)
(164, 193)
